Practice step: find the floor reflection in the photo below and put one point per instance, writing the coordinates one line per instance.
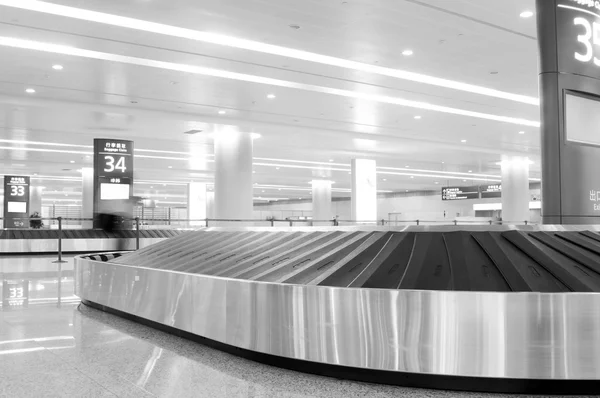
(35, 280)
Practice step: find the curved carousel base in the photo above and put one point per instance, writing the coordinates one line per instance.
(329, 323)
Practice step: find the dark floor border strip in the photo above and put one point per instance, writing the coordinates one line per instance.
(418, 380)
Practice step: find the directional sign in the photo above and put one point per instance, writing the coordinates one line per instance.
(460, 193)
(113, 176)
(16, 201)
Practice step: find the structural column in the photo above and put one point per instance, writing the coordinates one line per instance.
(35, 199)
(321, 200)
(196, 203)
(210, 204)
(364, 190)
(233, 175)
(515, 189)
(87, 196)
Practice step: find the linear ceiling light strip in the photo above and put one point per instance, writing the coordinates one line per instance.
(448, 177)
(214, 38)
(68, 50)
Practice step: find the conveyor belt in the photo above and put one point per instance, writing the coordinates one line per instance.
(12, 234)
(460, 260)
(78, 240)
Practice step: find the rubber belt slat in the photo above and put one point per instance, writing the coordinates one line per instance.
(573, 282)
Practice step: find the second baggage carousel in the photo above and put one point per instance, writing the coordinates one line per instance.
(501, 309)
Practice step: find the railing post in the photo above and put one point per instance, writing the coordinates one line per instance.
(455, 222)
(418, 222)
(60, 260)
(383, 222)
(291, 223)
(137, 233)
(272, 222)
(490, 222)
(206, 222)
(526, 222)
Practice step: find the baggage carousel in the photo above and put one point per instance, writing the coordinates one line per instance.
(16, 241)
(497, 309)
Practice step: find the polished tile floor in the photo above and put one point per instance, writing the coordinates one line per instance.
(65, 349)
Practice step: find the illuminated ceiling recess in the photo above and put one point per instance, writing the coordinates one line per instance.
(78, 52)
(259, 161)
(215, 38)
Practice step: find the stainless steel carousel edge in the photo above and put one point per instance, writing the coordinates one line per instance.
(474, 334)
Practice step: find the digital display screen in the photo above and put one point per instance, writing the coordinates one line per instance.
(582, 114)
(17, 207)
(114, 191)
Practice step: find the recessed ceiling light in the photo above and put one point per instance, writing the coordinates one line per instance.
(437, 182)
(211, 37)
(417, 117)
(412, 176)
(331, 160)
(72, 161)
(50, 47)
(253, 172)
(30, 91)
(408, 167)
(271, 96)
(277, 168)
(526, 14)
(407, 53)
(385, 179)
(521, 132)
(463, 141)
(151, 187)
(57, 67)
(170, 167)
(470, 171)
(464, 180)
(222, 112)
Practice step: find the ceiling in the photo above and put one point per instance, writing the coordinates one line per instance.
(343, 84)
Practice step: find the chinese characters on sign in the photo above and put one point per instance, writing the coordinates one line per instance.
(595, 197)
(491, 191)
(460, 193)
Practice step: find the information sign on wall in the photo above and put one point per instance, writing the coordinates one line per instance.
(113, 176)
(491, 191)
(460, 193)
(16, 201)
